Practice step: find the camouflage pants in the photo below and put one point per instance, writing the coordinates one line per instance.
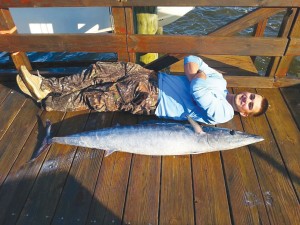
(104, 87)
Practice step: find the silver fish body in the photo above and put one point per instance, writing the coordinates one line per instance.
(160, 139)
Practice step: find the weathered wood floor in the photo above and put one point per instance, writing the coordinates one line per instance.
(257, 184)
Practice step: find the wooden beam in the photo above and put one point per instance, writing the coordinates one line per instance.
(259, 31)
(260, 82)
(19, 59)
(64, 42)
(208, 45)
(285, 29)
(86, 3)
(144, 43)
(286, 61)
(294, 47)
(247, 81)
(6, 21)
(120, 27)
(246, 21)
(7, 28)
(130, 30)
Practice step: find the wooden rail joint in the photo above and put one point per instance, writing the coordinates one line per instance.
(10, 31)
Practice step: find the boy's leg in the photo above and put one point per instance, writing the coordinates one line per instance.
(98, 73)
(137, 96)
(72, 102)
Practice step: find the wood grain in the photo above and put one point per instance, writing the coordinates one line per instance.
(76, 3)
(22, 174)
(50, 181)
(176, 206)
(279, 195)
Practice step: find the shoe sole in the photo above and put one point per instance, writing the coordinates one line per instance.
(22, 86)
(31, 82)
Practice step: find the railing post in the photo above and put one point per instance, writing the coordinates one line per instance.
(286, 61)
(259, 31)
(7, 27)
(279, 66)
(123, 24)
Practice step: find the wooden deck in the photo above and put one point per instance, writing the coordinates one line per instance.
(257, 184)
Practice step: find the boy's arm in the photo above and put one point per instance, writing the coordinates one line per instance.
(217, 109)
(192, 71)
(192, 68)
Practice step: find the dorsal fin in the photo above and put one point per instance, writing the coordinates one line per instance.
(195, 125)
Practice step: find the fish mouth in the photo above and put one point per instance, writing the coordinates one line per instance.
(256, 138)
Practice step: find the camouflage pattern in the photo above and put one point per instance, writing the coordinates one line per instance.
(116, 86)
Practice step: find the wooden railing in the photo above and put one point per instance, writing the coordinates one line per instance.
(282, 49)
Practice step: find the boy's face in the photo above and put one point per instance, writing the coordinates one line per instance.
(247, 103)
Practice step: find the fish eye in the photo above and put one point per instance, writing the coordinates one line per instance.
(232, 132)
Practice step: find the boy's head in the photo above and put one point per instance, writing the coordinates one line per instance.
(250, 104)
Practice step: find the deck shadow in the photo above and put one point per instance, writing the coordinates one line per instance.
(290, 175)
(47, 200)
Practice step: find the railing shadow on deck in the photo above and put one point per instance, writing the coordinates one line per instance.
(276, 165)
(39, 211)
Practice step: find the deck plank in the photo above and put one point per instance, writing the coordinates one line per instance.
(111, 189)
(23, 174)
(9, 109)
(143, 190)
(13, 140)
(4, 91)
(254, 185)
(177, 201)
(279, 195)
(244, 193)
(77, 194)
(286, 133)
(43, 198)
(211, 204)
(291, 96)
(227, 65)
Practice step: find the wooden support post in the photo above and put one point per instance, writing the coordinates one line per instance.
(7, 27)
(130, 30)
(146, 21)
(259, 31)
(123, 24)
(279, 66)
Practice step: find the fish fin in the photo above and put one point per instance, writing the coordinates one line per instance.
(159, 122)
(197, 128)
(108, 152)
(155, 121)
(45, 144)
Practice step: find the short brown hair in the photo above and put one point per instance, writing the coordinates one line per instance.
(263, 107)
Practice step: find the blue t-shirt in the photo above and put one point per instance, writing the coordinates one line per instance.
(203, 100)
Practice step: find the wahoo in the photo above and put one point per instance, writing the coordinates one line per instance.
(157, 139)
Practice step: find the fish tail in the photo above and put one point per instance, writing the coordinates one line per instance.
(46, 142)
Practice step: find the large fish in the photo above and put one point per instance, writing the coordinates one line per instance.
(157, 139)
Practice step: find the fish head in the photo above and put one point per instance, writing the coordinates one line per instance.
(224, 139)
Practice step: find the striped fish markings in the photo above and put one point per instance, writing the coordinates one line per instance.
(156, 139)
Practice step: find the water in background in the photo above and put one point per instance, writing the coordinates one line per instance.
(203, 20)
(200, 21)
